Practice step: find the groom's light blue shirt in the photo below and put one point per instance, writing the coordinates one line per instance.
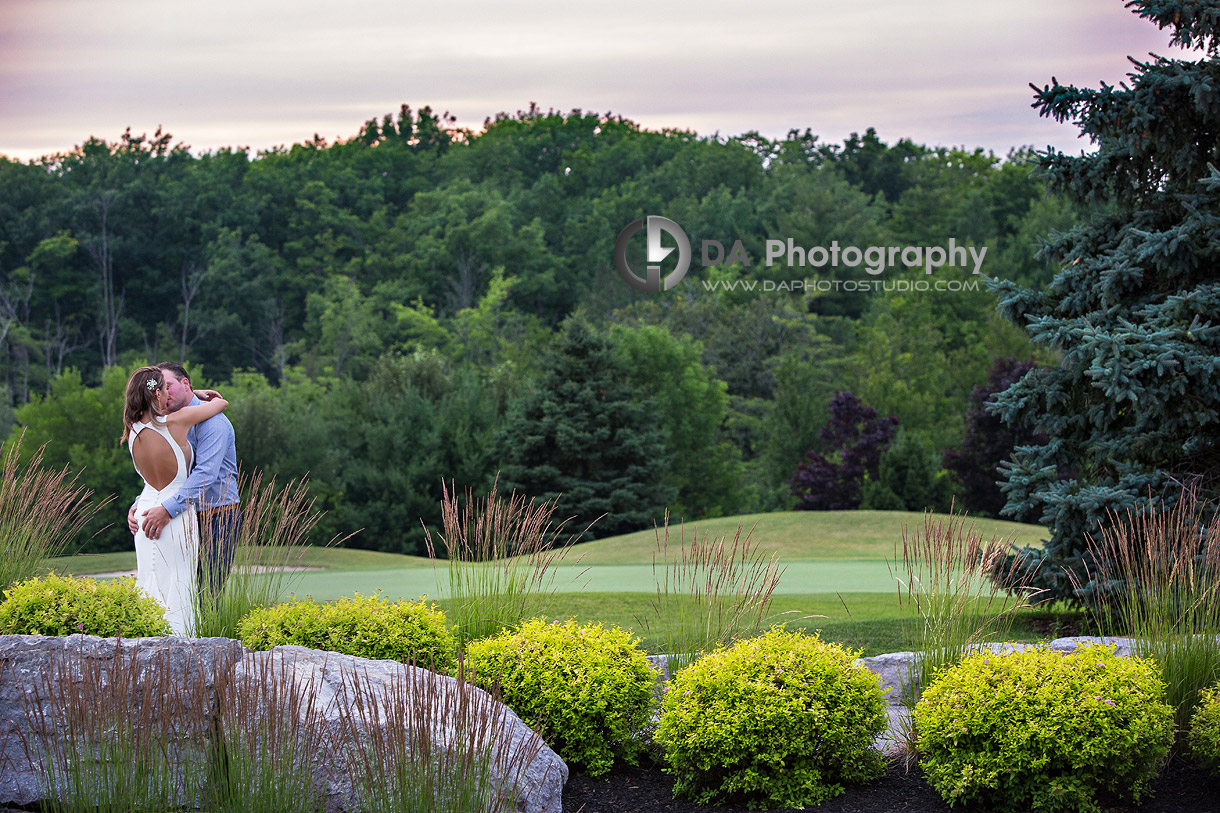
(213, 478)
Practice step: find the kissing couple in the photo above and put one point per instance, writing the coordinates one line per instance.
(183, 447)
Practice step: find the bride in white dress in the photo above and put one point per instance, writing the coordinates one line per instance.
(165, 566)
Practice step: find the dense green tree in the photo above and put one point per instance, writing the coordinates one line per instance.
(987, 443)
(804, 386)
(7, 418)
(692, 405)
(875, 168)
(1131, 409)
(909, 478)
(281, 430)
(344, 332)
(853, 440)
(80, 427)
(919, 355)
(243, 307)
(817, 206)
(1019, 257)
(582, 435)
(415, 423)
(61, 304)
(780, 369)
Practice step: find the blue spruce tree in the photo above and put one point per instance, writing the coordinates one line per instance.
(1131, 412)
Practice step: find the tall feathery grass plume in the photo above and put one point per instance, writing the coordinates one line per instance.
(426, 743)
(1153, 573)
(956, 590)
(266, 558)
(266, 734)
(41, 512)
(119, 733)
(710, 592)
(500, 556)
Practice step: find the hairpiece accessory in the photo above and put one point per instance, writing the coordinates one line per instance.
(151, 384)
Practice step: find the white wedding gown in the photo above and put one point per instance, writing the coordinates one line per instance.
(165, 567)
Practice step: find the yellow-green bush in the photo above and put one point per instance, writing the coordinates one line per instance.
(65, 605)
(587, 690)
(1043, 731)
(364, 626)
(784, 719)
(1205, 730)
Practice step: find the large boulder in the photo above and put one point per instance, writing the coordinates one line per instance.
(528, 774)
(35, 668)
(339, 700)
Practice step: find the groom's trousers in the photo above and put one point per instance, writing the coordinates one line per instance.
(219, 530)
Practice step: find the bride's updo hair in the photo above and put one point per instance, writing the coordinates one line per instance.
(141, 396)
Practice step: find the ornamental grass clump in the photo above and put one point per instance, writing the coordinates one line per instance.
(955, 594)
(66, 605)
(41, 511)
(588, 690)
(266, 557)
(1043, 731)
(710, 594)
(1156, 578)
(782, 720)
(118, 734)
(365, 626)
(500, 558)
(266, 733)
(114, 729)
(430, 744)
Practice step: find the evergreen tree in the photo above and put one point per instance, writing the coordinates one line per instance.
(582, 435)
(909, 478)
(1133, 409)
(691, 406)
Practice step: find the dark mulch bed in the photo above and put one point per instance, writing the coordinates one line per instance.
(1182, 788)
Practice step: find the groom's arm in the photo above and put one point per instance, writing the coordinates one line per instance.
(212, 438)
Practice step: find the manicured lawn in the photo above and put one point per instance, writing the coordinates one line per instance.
(861, 576)
(345, 558)
(835, 566)
(89, 563)
(797, 536)
(866, 621)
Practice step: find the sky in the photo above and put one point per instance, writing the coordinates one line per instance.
(266, 73)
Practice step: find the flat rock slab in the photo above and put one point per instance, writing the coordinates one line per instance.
(525, 770)
(26, 660)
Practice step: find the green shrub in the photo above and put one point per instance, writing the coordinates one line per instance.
(1205, 730)
(784, 719)
(364, 626)
(588, 690)
(1043, 731)
(64, 605)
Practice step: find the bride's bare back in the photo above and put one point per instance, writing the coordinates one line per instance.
(153, 456)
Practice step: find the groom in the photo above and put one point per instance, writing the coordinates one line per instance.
(211, 486)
